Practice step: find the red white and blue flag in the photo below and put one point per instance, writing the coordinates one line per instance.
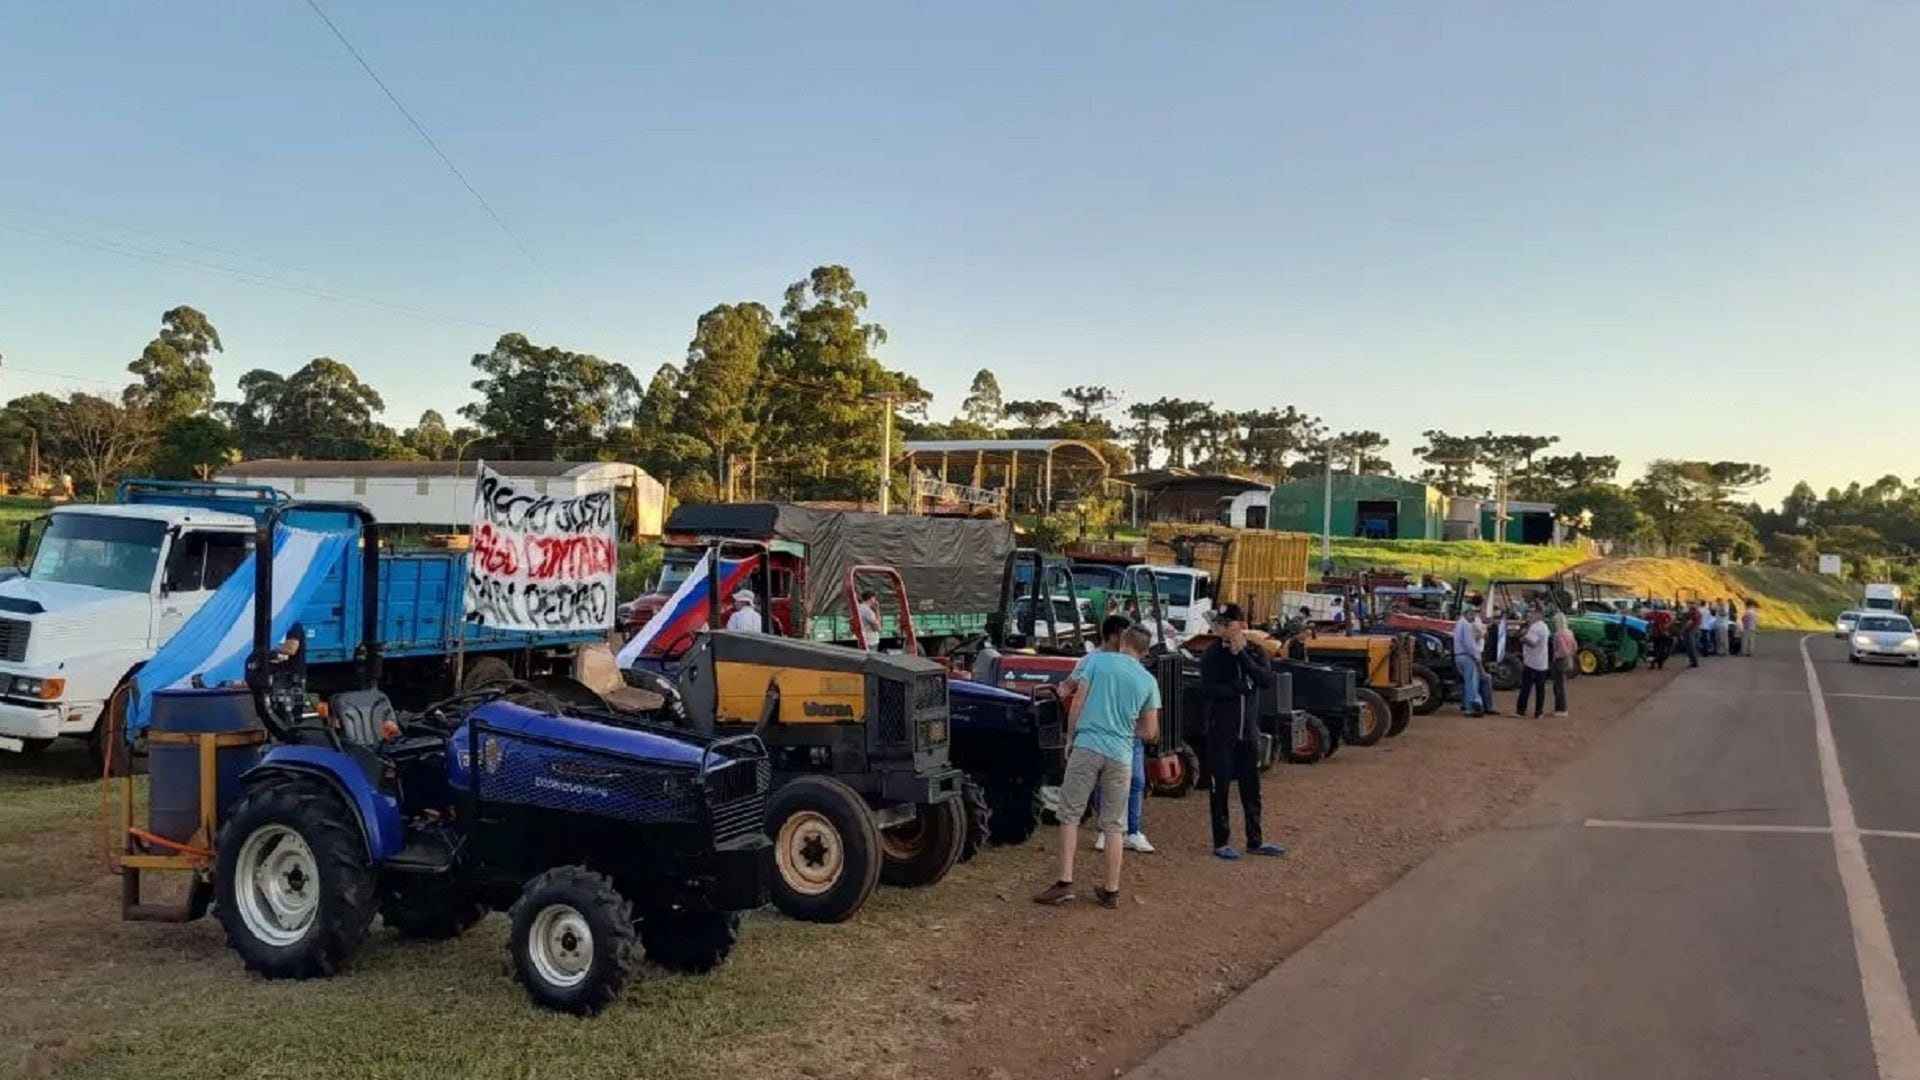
(685, 612)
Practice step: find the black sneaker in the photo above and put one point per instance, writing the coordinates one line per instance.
(1108, 899)
(1057, 893)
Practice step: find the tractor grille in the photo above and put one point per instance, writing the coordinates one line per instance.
(930, 692)
(737, 794)
(13, 639)
(892, 718)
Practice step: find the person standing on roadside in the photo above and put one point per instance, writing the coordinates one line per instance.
(1749, 628)
(1120, 703)
(1232, 672)
(1564, 649)
(1535, 642)
(1660, 629)
(1723, 629)
(1689, 632)
(1112, 629)
(1466, 657)
(869, 612)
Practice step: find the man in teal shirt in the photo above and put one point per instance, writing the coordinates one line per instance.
(1120, 702)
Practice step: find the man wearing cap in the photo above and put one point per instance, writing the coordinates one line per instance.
(745, 617)
(1232, 672)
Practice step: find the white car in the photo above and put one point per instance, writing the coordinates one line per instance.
(1844, 625)
(1885, 637)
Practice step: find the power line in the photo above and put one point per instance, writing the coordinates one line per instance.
(426, 138)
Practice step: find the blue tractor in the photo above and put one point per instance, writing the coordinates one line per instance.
(602, 835)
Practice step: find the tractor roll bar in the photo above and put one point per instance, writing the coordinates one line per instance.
(717, 549)
(366, 654)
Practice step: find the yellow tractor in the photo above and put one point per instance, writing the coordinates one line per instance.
(1383, 668)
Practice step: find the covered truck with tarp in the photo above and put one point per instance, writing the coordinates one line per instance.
(951, 567)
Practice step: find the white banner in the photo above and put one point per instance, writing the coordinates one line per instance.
(539, 563)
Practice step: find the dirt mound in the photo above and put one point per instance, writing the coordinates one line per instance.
(1789, 599)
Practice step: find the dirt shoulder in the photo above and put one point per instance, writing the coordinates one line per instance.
(965, 980)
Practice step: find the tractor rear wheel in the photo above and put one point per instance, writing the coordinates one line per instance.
(429, 908)
(973, 794)
(295, 893)
(923, 850)
(1013, 811)
(1429, 692)
(485, 671)
(1401, 714)
(1505, 675)
(693, 942)
(1371, 725)
(572, 942)
(826, 850)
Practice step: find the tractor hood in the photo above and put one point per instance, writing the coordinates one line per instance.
(654, 747)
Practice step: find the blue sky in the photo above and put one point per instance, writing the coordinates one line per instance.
(1656, 229)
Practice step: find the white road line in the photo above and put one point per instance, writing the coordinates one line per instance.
(1700, 826)
(1879, 697)
(1896, 1039)
(1721, 826)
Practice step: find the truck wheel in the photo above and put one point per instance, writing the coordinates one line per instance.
(30, 747)
(922, 851)
(1429, 693)
(826, 850)
(1016, 812)
(294, 891)
(979, 818)
(1400, 714)
(428, 908)
(572, 943)
(485, 671)
(106, 743)
(1370, 726)
(694, 942)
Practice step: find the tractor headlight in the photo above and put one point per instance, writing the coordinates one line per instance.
(1862, 641)
(936, 732)
(40, 689)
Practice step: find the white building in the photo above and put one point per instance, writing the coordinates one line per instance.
(440, 493)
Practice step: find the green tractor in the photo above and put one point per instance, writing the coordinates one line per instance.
(1606, 643)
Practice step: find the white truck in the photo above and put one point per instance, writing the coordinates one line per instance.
(107, 586)
(1882, 596)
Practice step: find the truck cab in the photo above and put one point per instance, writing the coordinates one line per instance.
(106, 587)
(1883, 596)
(1185, 594)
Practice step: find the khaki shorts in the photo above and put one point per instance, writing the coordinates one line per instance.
(1088, 772)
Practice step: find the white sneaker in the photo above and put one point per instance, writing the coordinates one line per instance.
(1137, 841)
(1562, 714)
(1099, 841)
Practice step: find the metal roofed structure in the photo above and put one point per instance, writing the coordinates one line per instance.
(1046, 465)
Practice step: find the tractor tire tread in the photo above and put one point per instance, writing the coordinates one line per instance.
(348, 899)
(596, 898)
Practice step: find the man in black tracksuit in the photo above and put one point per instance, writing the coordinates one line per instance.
(1232, 672)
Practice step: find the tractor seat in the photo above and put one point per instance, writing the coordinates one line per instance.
(364, 716)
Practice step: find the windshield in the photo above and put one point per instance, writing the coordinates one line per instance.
(1175, 589)
(1849, 616)
(674, 571)
(1097, 577)
(99, 551)
(1886, 624)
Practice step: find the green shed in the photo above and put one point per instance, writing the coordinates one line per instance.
(1379, 507)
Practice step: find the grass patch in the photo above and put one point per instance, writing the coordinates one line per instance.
(1789, 599)
(1478, 561)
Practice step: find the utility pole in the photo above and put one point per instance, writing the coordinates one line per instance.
(1326, 515)
(886, 400)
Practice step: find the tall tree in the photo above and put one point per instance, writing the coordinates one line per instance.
(1142, 436)
(175, 372)
(1360, 451)
(98, 440)
(254, 417)
(1031, 417)
(1452, 461)
(194, 448)
(824, 417)
(1089, 401)
(542, 401)
(721, 399)
(983, 406)
(1180, 424)
(28, 427)
(1271, 436)
(430, 438)
(1579, 470)
(332, 414)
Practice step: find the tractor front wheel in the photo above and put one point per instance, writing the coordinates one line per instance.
(1013, 811)
(1429, 692)
(1375, 717)
(923, 850)
(693, 942)
(1307, 739)
(825, 848)
(1401, 714)
(973, 794)
(1589, 661)
(1183, 784)
(295, 893)
(572, 942)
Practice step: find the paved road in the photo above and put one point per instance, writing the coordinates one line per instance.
(1676, 904)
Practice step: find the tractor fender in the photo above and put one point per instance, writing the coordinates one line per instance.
(377, 811)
